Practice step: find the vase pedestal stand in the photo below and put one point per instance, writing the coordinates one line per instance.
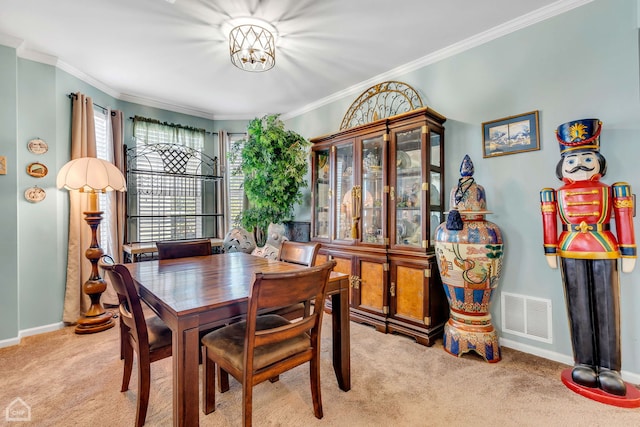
(464, 333)
(631, 400)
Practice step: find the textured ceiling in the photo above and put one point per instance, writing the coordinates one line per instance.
(174, 54)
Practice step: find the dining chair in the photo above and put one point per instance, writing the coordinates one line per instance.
(149, 338)
(264, 346)
(301, 253)
(169, 249)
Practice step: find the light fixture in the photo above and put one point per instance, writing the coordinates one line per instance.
(252, 47)
(91, 175)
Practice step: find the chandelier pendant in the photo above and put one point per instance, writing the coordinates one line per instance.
(252, 48)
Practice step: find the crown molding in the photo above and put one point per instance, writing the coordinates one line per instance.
(10, 41)
(163, 105)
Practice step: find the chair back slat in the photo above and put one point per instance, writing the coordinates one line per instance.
(169, 249)
(131, 311)
(303, 253)
(267, 294)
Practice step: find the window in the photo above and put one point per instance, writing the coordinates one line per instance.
(173, 186)
(104, 150)
(235, 182)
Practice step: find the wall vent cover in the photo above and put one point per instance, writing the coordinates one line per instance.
(526, 316)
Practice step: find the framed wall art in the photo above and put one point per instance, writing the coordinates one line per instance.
(37, 146)
(3, 165)
(510, 135)
(35, 194)
(37, 170)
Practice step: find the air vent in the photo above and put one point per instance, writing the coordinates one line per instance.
(526, 316)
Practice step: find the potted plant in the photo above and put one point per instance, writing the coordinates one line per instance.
(274, 164)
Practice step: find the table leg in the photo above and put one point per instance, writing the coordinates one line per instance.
(341, 338)
(185, 375)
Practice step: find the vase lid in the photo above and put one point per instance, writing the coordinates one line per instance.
(468, 196)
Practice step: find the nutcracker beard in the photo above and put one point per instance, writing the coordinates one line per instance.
(591, 289)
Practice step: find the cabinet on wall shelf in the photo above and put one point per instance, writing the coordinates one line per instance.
(377, 199)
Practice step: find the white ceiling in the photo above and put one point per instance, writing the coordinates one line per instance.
(174, 54)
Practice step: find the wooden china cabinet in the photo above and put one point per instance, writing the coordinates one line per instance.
(377, 199)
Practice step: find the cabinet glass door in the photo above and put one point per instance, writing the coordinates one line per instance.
(372, 191)
(345, 192)
(436, 195)
(322, 193)
(408, 188)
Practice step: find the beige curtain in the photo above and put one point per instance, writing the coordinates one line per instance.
(83, 144)
(118, 197)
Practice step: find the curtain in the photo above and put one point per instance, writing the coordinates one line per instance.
(83, 144)
(119, 198)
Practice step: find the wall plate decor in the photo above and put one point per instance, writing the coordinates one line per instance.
(3, 165)
(37, 170)
(35, 194)
(510, 135)
(38, 146)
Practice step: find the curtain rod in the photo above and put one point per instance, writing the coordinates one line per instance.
(74, 96)
(170, 124)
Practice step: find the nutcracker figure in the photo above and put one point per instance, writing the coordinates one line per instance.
(589, 251)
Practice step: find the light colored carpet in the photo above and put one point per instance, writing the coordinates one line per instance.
(74, 380)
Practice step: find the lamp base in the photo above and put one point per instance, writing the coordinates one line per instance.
(93, 324)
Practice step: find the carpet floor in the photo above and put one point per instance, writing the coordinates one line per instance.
(74, 380)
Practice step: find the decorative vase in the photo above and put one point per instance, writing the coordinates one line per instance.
(470, 252)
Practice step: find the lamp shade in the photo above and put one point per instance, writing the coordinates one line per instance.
(89, 174)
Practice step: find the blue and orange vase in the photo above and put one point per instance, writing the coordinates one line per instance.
(470, 252)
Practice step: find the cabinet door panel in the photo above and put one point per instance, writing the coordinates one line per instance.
(343, 265)
(410, 292)
(372, 285)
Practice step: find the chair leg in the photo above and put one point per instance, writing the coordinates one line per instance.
(123, 338)
(144, 385)
(126, 352)
(314, 376)
(274, 379)
(223, 380)
(247, 403)
(208, 383)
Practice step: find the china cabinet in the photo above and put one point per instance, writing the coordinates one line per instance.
(376, 197)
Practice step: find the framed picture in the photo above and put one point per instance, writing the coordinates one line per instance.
(511, 135)
(37, 146)
(37, 170)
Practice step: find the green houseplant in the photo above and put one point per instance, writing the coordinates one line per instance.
(274, 164)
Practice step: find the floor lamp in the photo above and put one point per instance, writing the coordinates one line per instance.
(91, 175)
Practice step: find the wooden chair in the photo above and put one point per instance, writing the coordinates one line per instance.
(183, 248)
(263, 347)
(150, 338)
(301, 253)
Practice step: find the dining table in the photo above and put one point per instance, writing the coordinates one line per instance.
(194, 294)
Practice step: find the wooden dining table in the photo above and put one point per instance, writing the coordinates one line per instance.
(197, 293)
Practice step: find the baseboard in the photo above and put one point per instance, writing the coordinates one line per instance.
(630, 377)
(32, 331)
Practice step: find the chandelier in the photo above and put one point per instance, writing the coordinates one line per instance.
(252, 48)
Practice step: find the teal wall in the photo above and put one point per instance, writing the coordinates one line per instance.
(34, 103)
(583, 63)
(8, 189)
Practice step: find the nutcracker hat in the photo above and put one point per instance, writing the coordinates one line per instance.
(579, 135)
